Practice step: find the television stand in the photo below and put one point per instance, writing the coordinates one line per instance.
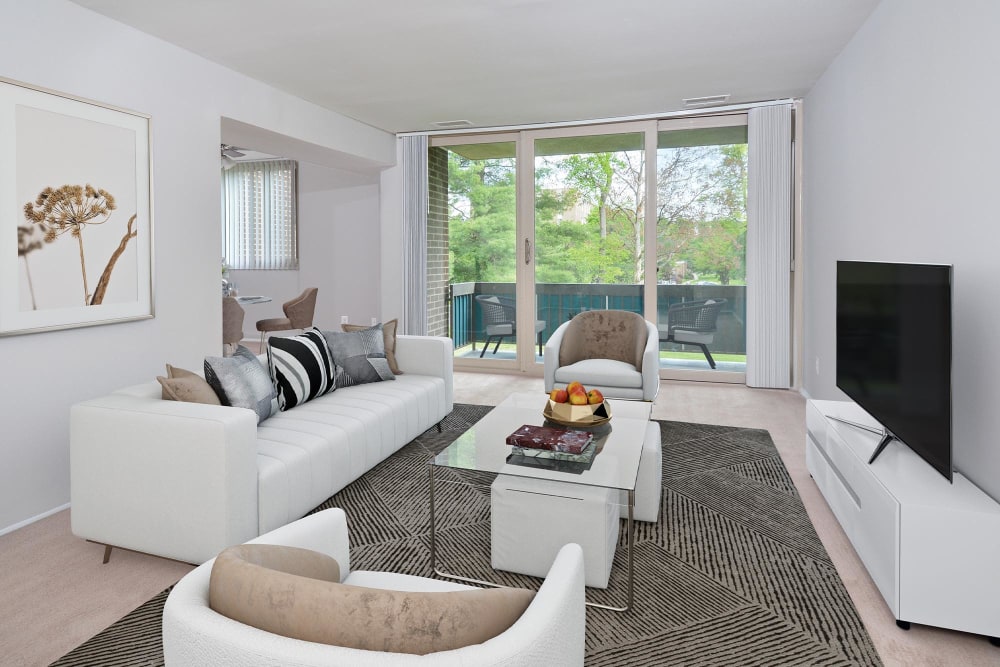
(880, 447)
(930, 547)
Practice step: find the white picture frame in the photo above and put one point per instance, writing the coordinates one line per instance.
(76, 229)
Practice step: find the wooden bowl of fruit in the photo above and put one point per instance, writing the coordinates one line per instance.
(574, 405)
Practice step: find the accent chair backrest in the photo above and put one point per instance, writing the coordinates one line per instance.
(604, 334)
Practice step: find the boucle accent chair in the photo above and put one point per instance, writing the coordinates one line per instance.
(615, 351)
(550, 632)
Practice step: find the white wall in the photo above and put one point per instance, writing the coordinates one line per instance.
(58, 45)
(900, 165)
(339, 229)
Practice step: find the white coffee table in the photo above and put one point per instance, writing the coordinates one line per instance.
(483, 448)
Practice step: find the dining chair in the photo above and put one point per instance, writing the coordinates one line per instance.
(232, 324)
(298, 315)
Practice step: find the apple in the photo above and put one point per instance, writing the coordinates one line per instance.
(577, 398)
(595, 397)
(559, 395)
(573, 386)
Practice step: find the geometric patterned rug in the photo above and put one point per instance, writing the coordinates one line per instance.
(732, 574)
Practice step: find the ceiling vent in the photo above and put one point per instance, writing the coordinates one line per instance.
(450, 124)
(710, 101)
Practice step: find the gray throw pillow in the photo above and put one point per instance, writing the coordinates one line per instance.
(359, 356)
(242, 382)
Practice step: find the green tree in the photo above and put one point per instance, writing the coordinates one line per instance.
(481, 220)
(718, 245)
(614, 184)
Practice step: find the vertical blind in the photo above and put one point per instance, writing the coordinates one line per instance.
(769, 233)
(259, 227)
(414, 167)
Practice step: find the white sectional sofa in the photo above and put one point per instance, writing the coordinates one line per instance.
(185, 480)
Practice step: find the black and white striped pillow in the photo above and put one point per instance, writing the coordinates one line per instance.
(301, 367)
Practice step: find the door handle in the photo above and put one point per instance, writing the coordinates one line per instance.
(527, 251)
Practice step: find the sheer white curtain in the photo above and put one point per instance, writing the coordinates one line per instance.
(259, 228)
(769, 234)
(414, 168)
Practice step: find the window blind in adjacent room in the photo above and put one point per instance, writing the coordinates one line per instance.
(259, 226)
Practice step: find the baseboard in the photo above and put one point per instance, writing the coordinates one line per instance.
(26, 522)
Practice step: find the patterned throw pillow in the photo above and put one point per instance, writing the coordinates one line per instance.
(242, 382)
(183, 385)
(389, 340)
(301, 367)
(359, 356)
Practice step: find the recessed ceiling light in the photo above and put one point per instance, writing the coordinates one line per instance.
(452, 123)
(709, 101)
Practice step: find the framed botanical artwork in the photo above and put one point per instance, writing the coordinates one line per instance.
(75, 212)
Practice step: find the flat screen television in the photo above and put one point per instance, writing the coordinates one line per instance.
(894, 352)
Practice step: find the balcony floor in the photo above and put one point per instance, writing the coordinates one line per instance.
(699, 364)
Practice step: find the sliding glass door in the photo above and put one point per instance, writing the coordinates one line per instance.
(589, 223)
(472, 250)
(701, 227)
(645, 216)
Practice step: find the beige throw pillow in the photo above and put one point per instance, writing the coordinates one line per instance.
(294, 593)
(604, 334)
(389, 335)
(183, 385)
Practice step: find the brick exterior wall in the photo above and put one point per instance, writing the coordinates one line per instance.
(437, 242)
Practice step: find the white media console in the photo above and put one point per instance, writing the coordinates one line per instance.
(932, 548)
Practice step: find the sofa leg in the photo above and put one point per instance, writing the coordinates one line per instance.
(438, 427)
(107, 554)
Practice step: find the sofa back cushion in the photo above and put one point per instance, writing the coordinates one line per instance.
(295, 593)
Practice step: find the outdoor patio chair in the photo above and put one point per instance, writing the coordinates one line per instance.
(500, 321)
(693, 323)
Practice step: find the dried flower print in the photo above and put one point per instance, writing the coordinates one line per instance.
(71, 208)
(29, 239)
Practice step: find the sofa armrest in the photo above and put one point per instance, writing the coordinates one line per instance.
(177, 480)
(428, 355)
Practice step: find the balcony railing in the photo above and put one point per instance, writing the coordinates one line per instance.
(557, 303)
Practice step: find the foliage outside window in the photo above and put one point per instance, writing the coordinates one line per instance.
(589, 211)
(259, 221)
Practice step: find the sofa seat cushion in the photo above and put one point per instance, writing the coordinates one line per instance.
(603, 372)
(308, 453)
(296, 593)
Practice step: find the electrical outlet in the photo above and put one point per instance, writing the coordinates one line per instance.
(344, 320)
(374, 321)
(817, 365)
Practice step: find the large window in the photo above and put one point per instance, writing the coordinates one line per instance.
(259, 225)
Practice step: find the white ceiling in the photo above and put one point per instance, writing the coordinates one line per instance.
(402, 65)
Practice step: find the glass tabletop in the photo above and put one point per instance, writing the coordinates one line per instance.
(483, 447)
